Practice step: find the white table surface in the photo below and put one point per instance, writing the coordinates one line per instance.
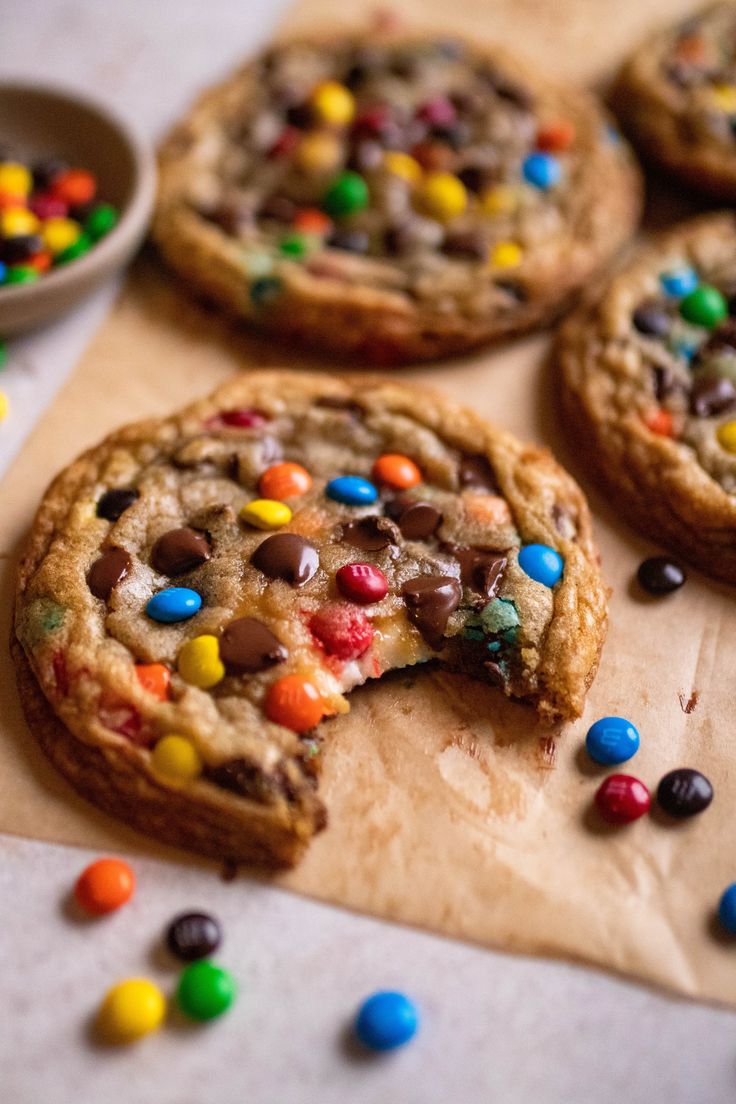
(496, 1028)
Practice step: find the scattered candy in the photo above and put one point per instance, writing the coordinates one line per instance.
(41, 217)
(362, 582)
(205, 991)
(386, 1020)
(397, 471)
(612, 740)
(542, 170)
(294, 702)
(104, 886)
(199, 662)
(131, 1009)
(621, 799)
(343, 630)
(351, 490)
(333, 103)
(684, 793)
(660, 575)
(704, 306)
(266, 513)
(541, 563)
(173, 605)
(193, 935)
(285, 480)
(556, 137)
(176, 759)
(727, 909)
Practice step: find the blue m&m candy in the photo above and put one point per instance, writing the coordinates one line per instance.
(386, 1020)
(612, 740)
(352, 490)
(541, 563)
(679, 281)
(542, 170)
(173, 604)
(727, 909)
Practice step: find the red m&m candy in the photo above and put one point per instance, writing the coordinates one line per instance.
(362, 583)
(621, 799)
(342, 630)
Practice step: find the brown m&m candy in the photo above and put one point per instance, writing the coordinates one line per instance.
(179, 550)
(193, 935)
(287, 556)
(106, 572)
(248, 646)
(684, 793)
(430, 600)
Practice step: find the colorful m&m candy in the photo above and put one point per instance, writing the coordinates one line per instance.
(386, 1020)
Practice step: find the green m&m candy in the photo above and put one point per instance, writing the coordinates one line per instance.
(205, 990)
(705, 306)
(346, 195)
(21, 274)
(82, 245)
(101, 220)
(294, 245)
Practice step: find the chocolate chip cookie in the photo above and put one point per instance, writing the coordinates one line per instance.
(200, 594)
(393, 199)
(649, 378)
(676, 97)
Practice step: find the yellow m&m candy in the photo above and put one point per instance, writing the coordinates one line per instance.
(199, 662)
(333, 103)
(506, 255)
(401, 164)
(726, 435)
(442, 196)
(266, 513)
(724, 97)
(132, 1008)
(16, 221)
(59, 233)
(503, 199)
(15, 179)
(177, 759)
(318, 152)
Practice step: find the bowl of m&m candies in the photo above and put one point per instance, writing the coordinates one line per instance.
(76, 193)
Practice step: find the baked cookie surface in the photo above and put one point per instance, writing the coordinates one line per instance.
(676, 98)
(649, 385)
(398, 198)
(200, 592)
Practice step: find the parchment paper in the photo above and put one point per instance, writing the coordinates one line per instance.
(449, 808)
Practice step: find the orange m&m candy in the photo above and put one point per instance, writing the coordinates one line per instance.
(397, 471)
(155, 678)
(556, 137)
(40, 261)
(660, 422)
(284, 481)
(294, 702)
(312, 221)
(104, 886)
(75, 186)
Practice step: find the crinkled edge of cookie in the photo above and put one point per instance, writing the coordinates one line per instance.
(114, 773)
(384, 327)
(653, 480)
(648, 109)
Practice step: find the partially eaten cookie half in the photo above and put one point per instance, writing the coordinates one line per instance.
(201, 593)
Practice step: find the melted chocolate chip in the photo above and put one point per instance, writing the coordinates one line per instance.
(664, 381)
(335, 402)
(286, 556)
(474, 178)
(469, 245)
(248, 646)
(416, 520)
(712, 395)
(430, 600)
(114, 503)
(480, 570)
(475, 471)
(652, 319)
(722, 339)
(370, 534)
(299, 115)
(515, 291)
(351, 241)
(245, 778)
(179, 550)
(105, 573)
(278, 208)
